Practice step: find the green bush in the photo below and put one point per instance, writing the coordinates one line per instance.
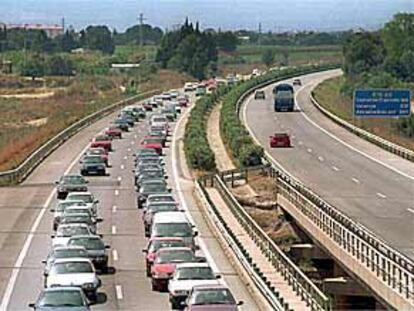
(197, 150)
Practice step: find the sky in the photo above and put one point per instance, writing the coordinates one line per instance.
(274, 15)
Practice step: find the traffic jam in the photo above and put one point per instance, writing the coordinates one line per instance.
(173, 259)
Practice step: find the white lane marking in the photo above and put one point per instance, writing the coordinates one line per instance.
(115, 255)
(321, 159)
(300, 142)
(309, 150)
(113, 230)
(135, 136)
(355, 180)
(346, 144)
(114, 209)
(293, 136)
(132, 142)
(181, 195)
(129, 149)
(381, 195)
(116, 192)
(25, 249)
(126, 157)
(119, 178)
(410, 210)
(118, 291)
(335, 168)
(122, 167)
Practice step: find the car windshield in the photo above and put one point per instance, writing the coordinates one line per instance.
(68, 253)
(61, 298)
(172, 230)
(162, 208)
(175, 256)
(70, 219)
(93, 159)
(84, 210)
(284, 94)
(90, 244)
(151, 174)
(68, 231)
(159, 119)
(86, 198)
(154, 188)
(73, 180)
(156, 245)
(101, 138)
(72, 267)
(151, 141)
(195, 273)
(212, 296)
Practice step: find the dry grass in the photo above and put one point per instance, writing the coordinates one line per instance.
(328, 94)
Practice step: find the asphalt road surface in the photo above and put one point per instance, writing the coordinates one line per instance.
(26, 226)
(374, 187)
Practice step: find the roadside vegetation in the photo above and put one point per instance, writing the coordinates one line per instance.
(382, 59)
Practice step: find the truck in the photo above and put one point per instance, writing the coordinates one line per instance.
(284, 97)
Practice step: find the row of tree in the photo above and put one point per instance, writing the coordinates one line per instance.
(99, 38)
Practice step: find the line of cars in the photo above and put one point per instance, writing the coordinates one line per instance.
(78, 253)
(171, 255)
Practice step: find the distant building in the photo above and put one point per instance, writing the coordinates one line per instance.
(51, 31)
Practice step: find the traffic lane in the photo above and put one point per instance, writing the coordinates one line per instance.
(41, 242)
(342, 177)
(209, 246)
(20, 205)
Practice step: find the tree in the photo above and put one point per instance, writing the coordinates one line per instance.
(68, 41)
(97, 38)
(227, 41)
(362, 52)
(33, 66)
(398, 35)
(58, 65)
(268, 57)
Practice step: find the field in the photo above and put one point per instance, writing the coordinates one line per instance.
(248, 57)
(26, 123)
(328, 94)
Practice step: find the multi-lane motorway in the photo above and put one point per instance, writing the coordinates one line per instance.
(372, 186)
(26, 226)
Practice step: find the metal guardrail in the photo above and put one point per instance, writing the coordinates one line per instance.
(379, 141)
(243, 258)
(18, 174)
(299, 282)
(390, 266)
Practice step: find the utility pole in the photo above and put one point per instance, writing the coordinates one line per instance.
(141, 28)
(259, 41)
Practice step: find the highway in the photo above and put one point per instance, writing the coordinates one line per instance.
(26, 226)
(370, 185)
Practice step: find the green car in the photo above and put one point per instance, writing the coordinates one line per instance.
(169, 112)
(200, 90)
(140, 111)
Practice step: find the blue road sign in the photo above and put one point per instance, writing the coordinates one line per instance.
(382, 103)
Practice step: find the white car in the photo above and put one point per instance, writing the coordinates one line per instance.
(65, 231)
(158, 120)
(174, 94)
(86, 197)
(60, 252)
(78, 272)
(79, 209)
(189, 87)
(185, 277)
(60, 209)
(159, 198)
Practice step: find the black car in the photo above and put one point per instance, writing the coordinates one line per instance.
(68, 183)
(147, 189)
(259, 95)
(93, 165)
(130, 120)
(140, 111)
(122, 124)
(95, 247)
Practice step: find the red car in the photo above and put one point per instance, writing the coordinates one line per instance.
(152, 143)
(156, 244)
(99, 152)
(164, 264)
(280, 140)
(147, 106)
(103, 141)
(183, 101)
(114, 132)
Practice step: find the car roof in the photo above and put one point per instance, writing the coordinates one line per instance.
(80, 192)
(210, 286)
(92, 236)
(63, 247)
(71, 259)
(60, 288)
(74, 225)
(193, 265)
(160, 195)
(170, 217)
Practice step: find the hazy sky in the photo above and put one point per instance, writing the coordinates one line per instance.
(275, 15)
